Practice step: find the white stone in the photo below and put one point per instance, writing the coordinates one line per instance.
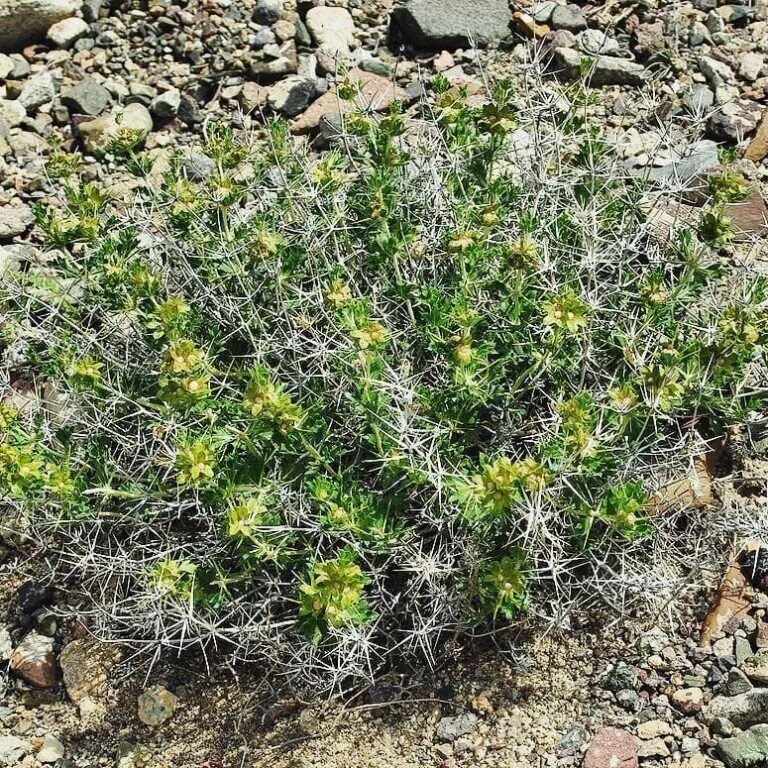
(11, 113)
(66, 32)
(751, 65)
(23, 21)
(333, 27)
(37, 91)
(51, 750)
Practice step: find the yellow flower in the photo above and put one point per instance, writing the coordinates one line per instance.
(565, 310)
(338, 294)
(461, 241)
(370, 335)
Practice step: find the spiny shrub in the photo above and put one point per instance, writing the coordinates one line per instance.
(320, 410)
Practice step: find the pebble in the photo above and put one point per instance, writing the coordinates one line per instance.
(611, 748)
(33, 659)
(156, 705)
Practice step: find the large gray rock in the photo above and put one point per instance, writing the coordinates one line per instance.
(744, 710)
(88, 97)
(452, 23)
(24, 21)
(745, 749)
(15, 219)
(38, 90)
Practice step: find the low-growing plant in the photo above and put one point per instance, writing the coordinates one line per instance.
(319, 410)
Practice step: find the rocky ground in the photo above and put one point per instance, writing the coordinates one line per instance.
(686, 687)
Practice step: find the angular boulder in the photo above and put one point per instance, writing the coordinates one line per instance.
(450, 24)
(25, 21)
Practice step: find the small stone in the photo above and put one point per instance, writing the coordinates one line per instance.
(736, 682)
(375, 91)
(98, 133)
(15, 219)
(571, 742)
(252, 96)
(756, 668)
(698, 99)
(88, 97)
(723, 647)
(11, 113)
(189, 111)
(620, 677)
(268, 11)
(452, 728)
(653, 729)
(166, 105)
(629, 700)
(331, 26)
(284, 29)
(156, 705)
(37, 91)
(542, 11)
(751, 66)
(611, 748)
(33, 660)
(593, 41)
(51, 750)
(568, 17)
(605, 70)
(742, 649)
(653, 748)
(6, 66)
(735, 120)
(291, 96)
(198, 167)
(743, 711)
(688, 700)
(64, 33)
(8, 261)
(716, 72)
(698, 34)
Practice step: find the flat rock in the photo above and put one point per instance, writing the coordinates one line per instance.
(65, 33)
(604, 70)
(25, 21)
(745, 710)
(450, 24)
(11, 112)
(13, 750)
(15, 219)
(611, 748)
(85, 666)
(568, 17)
(34, 661)
(376, 92)
(452, 728)
(746, 749)
(97, 134)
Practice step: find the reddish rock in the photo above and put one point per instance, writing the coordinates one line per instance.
(611, 748)
(376, 92)
(34, 661)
